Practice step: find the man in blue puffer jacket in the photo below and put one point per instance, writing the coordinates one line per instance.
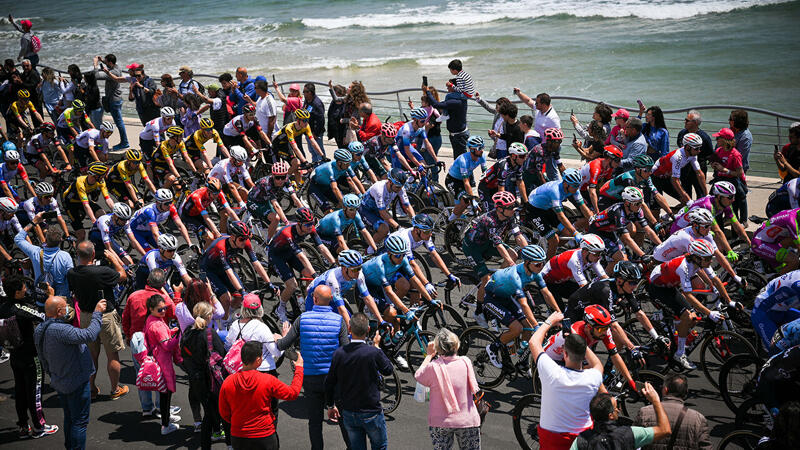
(321, 331)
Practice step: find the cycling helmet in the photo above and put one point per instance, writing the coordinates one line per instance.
(280, 168)
(350, 258)
(396, 245)
(351, 201)
(342, 155)
(475, 142)
(627, 270)
(419, 113)
(304, 215)
(632, 194)
(9, 146)
(612, 152)
(78, 105)
(167, 242)
(643, 162)
(723, 188)
(249, 109)
(301, 114)
(8, 205)
(572, 177)
(422, 221)
(553, 134)
(98, 168)
(213, 184)
(206, 123)
(239, 153)
(356, 147)
(517, 149)
(47, 126)
(11, 155)
(504, 199)
(700, 216)
(239, 229)
(397, 177)
(597, 316)
(167, 112)
(701, 248)
(163, 196)
(23, 93)
(122, 210)
(533, 252)
(388, 130)
(789, 332)
(593, 243)
(43, 188)
(692, 140)
(107, 126)
(174, 131)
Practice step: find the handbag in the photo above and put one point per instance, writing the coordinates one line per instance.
(215, 365)
(150, 376)
(482, 405)
(233, 359)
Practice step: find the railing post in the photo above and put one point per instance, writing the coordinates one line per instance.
(778, 128)
(399, 105)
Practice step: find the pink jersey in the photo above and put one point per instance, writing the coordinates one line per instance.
(707, 202)
(779, 227)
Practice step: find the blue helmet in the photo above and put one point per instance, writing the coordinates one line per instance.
(422, 221)
(572, 177)
(351, 201)
(396, 245)
(533, 253)
(343, 155)
(419, 113)
(398, 177)
(476, 142)
(356, 147)
(350, 258)
(8, 145)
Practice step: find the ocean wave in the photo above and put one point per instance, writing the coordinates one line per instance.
(365, 62)
(485, 12)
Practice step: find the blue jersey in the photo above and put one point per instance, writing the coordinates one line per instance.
(150, 215)
(780, 294)
(340, 287)
(509, 283)
(380, 272)
(407, 134)
(380, 197)
(551, 195)
(464, 165)
(153, 260)
(361, 165)
(334, 223)
(327, 173)
(107, 228)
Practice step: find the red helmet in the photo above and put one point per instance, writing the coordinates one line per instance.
(280, 168)
(553, 133)
(388, 130)
(304, 215)
(611, 151)
(239, 229)
(248, 109)
(597, 316)
(504, 199)
(47, 126)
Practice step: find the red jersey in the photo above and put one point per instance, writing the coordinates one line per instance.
(593, 173)
(554, 347)
(197, 202)
(570, 266)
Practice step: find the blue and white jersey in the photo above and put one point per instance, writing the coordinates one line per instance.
(780, 294)
(32, 207)
(407, 134)
(149, 214)
(379, 197)
(333, 224)
(154, 260)
(334, 279)
(551, 195)
(411, 243)
(379, 271)
(107, 228)
(327, 173)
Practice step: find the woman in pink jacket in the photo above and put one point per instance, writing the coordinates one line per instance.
(165, 347)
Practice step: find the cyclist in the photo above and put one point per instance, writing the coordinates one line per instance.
(121, 176)
(507, 300)
(93, 143)
(377, 150)
(10, 169)
(71, 122)
(216, 264)
(285, 147)
(244, 130)
(379, 198)
(777, 241)
(234, 175)
(195, 144)
(596, 172)
(326, 177)
(164, 171)
(43, 201)
(154, 132)
(286, 255)
(9, 226)
(108, 225)
(459, 180)
(413, 131)
(667, 170)
(76, 199)
(17, 117)
(566, 272)
(505, 175)
(35, 150)
(787, 335)
(164, 257)
(672, 283)
(545, 208)
(264, 199)
(359, 165)
(785, 197)
(536, 163)
(639, 176)
(616, 224)
(777, 304)
(194, 210)
(779, 380)
(332, 226)
(145, 221)
(342, 280)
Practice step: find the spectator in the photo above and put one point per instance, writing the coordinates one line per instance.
(163, 343)
(433, 129)
(617, 134)
(66, 359)
(688, 177)
(219, 112)
(655, 131)
(499, 145)
(742, 137)
(86, 280)
(511, 130)
(336, 110)
(728, 166)
(246, 400)
(545, 115)
(24, 360)
(245, 86)
(113, 92)
(91, 97)
(50, 90)
(193, 108)
(250, 327)
(532, 138)
(691, 433)
(266, 110)
(594, 142)
(788, 159)
(320, 331)
(602, 114)
(48, 259)
(31, 81)
(229, 93)
(785, 433)
(25, 41)
(187, 84)
(452, 414)
(290, 103)
(454, 110)
(316, 108)
(635, 143)
(197, 292)
(142, 91)
(463, 83)
(195, 353)
(170, 97)
(605, 412)
(133, 321)
(368, 124)
(354, 381)
(566, 391)
(71, 90)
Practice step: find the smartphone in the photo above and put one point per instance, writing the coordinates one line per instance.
(639, 101)
(47, 215)
(424, 80)
(571, 112)
(776, 150)
(273, 77)
(574, 138)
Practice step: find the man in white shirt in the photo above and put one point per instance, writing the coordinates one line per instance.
(265, 107)
(566, 391)
(545, 116)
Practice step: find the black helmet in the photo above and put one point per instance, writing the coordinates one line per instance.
(627, 270)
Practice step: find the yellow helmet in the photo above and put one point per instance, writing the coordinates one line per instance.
(206, 123)
(23, 93)
(133, 155)
(174, 131)
(301, 114)
(97, 168)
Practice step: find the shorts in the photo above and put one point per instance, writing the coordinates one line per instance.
(485, 197)
(220, 283)
(456, 186)
(664, 185)
(371, 217)
(194, 153)
(160, 170)
(23, 218)
(778, 201)
(531, 181)
(377, 294)
(82, 155)
(562, 290)
(479, 254)
(604, 202)
(33, 159)
(376, 166)
(230, 141)
(110, 332)
(118, 189)
(147, 146)
(542, 221)
(323, 195)
(768, 251)
(193, 223)
(505, 310)
(671, 298)
(331, 242)
(260, 210)
(766, 323)
(145, 239)
(64, 135)
(76, 212)
(285, 263)
(97, 240)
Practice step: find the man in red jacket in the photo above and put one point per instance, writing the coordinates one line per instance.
(245, 400)
(370, 123)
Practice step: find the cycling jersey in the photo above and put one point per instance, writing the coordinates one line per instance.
(143, 219)
(107, 228)
(677, 273)
(196, 142)
(504, 173)
(92, 137)
(11, 226)
(153, 260)
(779, 379)
(785, 197)
(534, 162)
(154, 130)
(32, 207)
(333, 224)
(196, 204)
(613, 188)
(238, 126)
(616, 219)
(601, 292)
(779, 227)
(289, 133)
(407, 134)
(218, 255)
(7, 174)
(570, 265)
(119, 173)
(359, 165)
(329, 172)
(780, 294)
(374, 148)
(19, 108)
(465, 164)
(37, 145)
(678, 244)
(71, 119)
(554, 347)
(287, 239)
(509, 283)
(166, 150)
(226, 172)
(593, 172)
(265, 191)
(488, 229)
(340, 287)
(551, 195)
(79, 190)
(379, 271)
(707, 202)
(379, 197)
(670, 165)
(406, 235)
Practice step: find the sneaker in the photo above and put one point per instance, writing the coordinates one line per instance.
(494, 358)
(401, 362)
(155, 412)
(169, 429)
(174, 419)
(120, 392)
(683, 360)
(480, 319)
(121, 146)
(4, 356)
(218, 436)
(46, 431)
(280, 311)
(197, 426)
(174, 410)
(24, 432)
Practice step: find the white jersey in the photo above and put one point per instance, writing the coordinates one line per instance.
(238, 126)
(406, 235)
(672, 163)
(32, 206)
(379, 197)
(108, 228)
(154, 130)
(678, 244)
(154, 260)
(226, 172)
(560, 269)
(92, 137)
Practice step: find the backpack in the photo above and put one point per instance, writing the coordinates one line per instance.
(233, 359)
(200, 87)
(36, 44)
(606, 437)
(10, 335)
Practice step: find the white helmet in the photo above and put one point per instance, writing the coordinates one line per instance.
(517, 149)
(107, 126)
(700, 216)
(167, 242)
(11, 155)
(239, 153)
(593, 243)
(167, 112)
(723, 188)
(163, 195)
(692, 140)
(701, 248)
(632, 194)
(122, 210)
(8, 205)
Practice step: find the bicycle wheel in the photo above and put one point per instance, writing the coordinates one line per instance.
(417, 349)
(644, 376)
(437, 196)
(737, 379)
(754, 415)
(250, 279)
(423, 265)
(746, 296)
(399, 214)
(391, 391)
(318, 262)
(718, 348)
(739, 439)
(435, 319)
(473, 345)
(464, 295)
(453, 236)
(525, 418)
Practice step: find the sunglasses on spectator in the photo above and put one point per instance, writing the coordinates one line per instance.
(162, 309)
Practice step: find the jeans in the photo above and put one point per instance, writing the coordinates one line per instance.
(359, 425)
(116, 113)
(314, 156)
(145, 397)
(34, 59)
(314, 395)
(76, 416)
(96, 116)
